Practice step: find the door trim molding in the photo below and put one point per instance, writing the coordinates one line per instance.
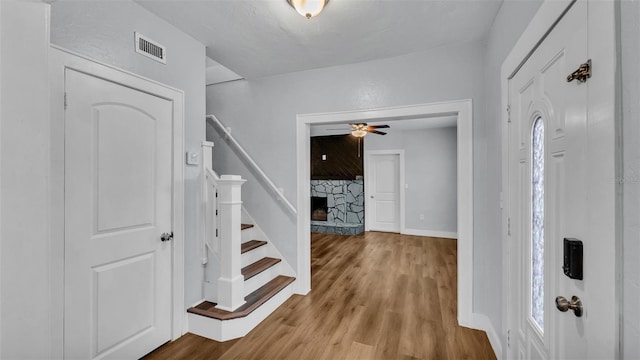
(401, 181)
(461, 108)
(60, 60)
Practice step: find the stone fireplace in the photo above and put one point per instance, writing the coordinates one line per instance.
(337, 206)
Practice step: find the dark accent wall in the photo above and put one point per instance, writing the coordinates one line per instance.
(344, 157)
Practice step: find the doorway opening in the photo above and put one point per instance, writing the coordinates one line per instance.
(336, 180)
(462, 109)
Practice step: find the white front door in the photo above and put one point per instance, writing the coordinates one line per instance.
(118, 194)
(561, 171)
(383, 175)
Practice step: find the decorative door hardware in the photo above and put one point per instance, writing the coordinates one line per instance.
(575, 304)
(582, 74)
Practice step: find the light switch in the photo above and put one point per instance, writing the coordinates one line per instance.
(324, 157)
(193, 158)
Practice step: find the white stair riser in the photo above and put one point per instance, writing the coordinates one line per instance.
(247, 235)
(254, 255)
(232, 329)
(264, 277)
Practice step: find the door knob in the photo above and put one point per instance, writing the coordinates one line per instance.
(166, 236)
(372, 196)
(575, 304)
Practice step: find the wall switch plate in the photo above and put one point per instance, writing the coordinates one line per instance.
(324, 157)
(193, 158)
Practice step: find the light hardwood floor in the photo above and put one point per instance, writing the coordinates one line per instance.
(374, 296)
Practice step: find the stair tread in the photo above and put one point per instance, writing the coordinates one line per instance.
(253, 301)
(250, 245)
(257, 267)
(245, 226)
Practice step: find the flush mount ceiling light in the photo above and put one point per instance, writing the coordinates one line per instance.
(308, 8)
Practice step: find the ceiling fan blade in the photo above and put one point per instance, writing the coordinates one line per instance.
(379, 126)
(377, 132)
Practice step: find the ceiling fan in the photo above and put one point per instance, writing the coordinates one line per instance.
(361, 129)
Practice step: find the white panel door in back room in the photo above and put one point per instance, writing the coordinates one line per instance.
(118, 198)
(384, 192)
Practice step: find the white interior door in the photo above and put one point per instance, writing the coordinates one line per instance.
(384, 192)
(118, 192)
(560, 156)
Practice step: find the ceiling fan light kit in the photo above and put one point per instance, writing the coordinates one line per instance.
(308, 8)
(361, 129)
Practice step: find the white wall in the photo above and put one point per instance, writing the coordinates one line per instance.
(1, 117)
(25, 328)
(103, 30)
(430, 173)
(630, 37)
(508, 25)
(262, 115)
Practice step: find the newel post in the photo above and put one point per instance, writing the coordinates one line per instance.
(207, 154)
(231, 281)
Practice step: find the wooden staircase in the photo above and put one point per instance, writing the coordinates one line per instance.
(266, 288)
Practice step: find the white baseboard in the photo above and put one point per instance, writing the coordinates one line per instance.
(430, 233)
(482, 322)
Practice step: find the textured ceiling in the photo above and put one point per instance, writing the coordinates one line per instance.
(256, 38)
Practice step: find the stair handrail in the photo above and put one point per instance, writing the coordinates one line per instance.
(253, 164)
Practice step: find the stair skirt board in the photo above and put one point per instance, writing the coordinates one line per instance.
(225, 330)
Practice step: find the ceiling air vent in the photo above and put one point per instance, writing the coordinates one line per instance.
(150, 48)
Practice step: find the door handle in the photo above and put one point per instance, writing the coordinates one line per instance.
(565, 305)
(166, 236)
(372, 196)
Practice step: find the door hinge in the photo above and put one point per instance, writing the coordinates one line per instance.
(508, 113)
(582, 74)
(216, 232)
(216, 194)
(509, 338)
(216, 212)
(509, 226)
(65, 101)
